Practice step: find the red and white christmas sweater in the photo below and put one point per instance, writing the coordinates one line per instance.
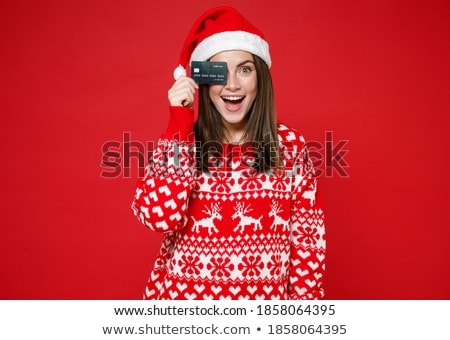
(231, 233)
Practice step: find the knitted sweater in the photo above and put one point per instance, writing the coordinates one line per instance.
(231, 233)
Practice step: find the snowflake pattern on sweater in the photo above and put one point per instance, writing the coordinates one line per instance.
(233, 233)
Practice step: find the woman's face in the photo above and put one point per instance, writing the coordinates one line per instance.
(234, 99)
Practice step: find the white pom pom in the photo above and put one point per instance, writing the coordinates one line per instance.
(178, 72)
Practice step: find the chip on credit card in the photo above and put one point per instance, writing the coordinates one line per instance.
(209, 72)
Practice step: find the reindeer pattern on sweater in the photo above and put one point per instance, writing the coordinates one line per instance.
(233, 233)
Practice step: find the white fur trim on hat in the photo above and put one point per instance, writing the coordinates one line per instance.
(232, 40)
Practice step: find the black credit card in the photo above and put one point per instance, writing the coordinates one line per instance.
(209, 72)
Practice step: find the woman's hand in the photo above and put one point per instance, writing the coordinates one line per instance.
(182, 92)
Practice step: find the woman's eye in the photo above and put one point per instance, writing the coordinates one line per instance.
(246, 69)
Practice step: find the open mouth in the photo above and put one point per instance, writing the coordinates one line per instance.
(233, 99)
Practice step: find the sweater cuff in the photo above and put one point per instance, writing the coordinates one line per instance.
(181, 124)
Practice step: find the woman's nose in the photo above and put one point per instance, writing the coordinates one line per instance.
(232, 82)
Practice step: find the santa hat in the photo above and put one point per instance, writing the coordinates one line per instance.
(221, 29)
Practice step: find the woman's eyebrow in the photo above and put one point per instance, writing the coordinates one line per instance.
(245, 62)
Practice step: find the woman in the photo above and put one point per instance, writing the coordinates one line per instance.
(234, 192)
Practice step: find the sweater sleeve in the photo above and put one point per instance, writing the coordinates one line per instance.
(161, 198)
(307, 262)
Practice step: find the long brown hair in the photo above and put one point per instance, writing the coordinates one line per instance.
(261, 132)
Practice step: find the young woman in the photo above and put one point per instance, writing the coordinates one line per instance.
(234, 191)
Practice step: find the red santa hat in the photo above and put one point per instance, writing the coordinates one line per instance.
(221, 29)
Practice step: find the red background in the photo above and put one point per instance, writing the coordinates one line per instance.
(77, 74)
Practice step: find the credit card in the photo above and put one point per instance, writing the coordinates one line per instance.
(209, 72)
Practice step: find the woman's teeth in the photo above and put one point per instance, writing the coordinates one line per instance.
(234, 99)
